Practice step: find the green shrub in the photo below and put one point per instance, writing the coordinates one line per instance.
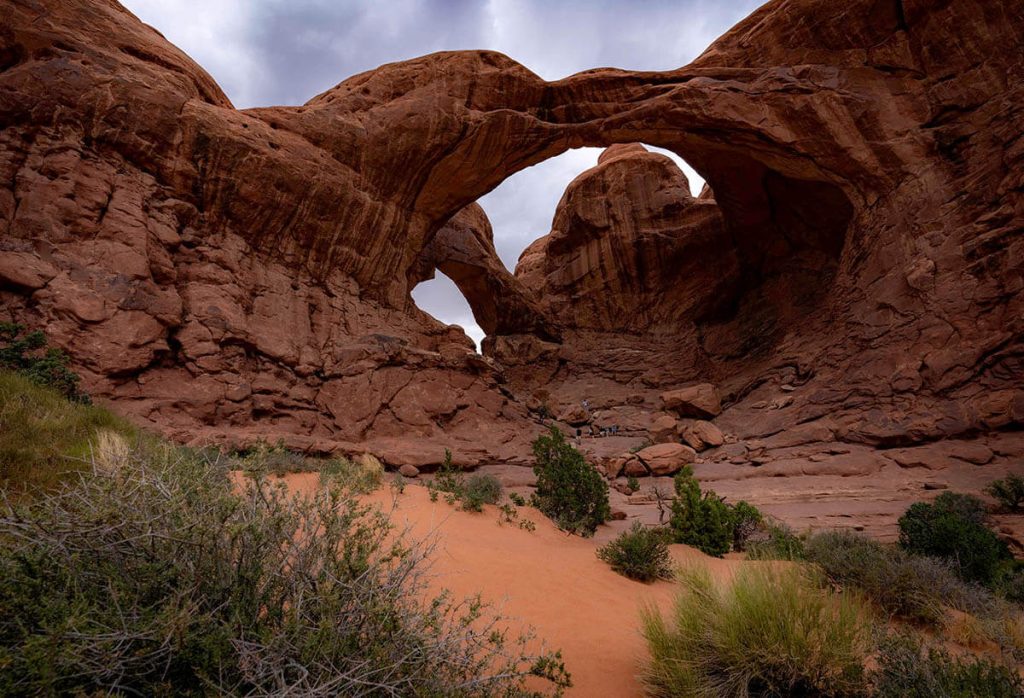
(28, 355)
(471, 493)
(633, 484)
(158, 574)
(746, 521)
(639, 553)
(953, 528)
(360, 475)
(480, 490)
(1011, 582)
(916, 588)
(569, 491)
(275, 458)
(44, 439)
(775, 631)
(702, 520)
(517, 499)
(1009, 492)
(903, 585)
(775, 541)
(907, 670)
(508, 514)
(448, 478)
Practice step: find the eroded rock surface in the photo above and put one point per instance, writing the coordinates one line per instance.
(851, 279)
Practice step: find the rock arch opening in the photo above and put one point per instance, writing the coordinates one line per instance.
(520, 209)
(441, 298)
(631, 250)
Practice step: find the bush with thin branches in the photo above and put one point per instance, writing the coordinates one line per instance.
(160, 573)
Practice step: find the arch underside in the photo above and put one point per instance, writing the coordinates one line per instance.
(215, 268)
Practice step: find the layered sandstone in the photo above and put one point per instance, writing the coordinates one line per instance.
(231, 274)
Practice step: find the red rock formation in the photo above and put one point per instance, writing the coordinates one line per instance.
(464, 251)
(244, 273)
(630, 250)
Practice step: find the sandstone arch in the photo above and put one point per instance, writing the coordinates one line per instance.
(464, 251)
(217, 268)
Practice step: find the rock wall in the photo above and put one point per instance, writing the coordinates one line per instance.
(230, 274)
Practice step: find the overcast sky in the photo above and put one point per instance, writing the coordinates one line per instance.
(283, 52)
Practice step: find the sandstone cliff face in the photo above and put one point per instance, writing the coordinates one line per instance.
(224, 273)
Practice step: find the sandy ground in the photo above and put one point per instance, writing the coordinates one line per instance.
(548, 579)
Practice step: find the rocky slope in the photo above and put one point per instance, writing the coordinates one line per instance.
(854, 282)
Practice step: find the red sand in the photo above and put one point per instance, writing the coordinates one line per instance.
(548, 579)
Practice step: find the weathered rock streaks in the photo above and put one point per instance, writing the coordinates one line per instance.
(852, 275)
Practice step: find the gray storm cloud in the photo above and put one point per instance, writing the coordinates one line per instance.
(269, 52)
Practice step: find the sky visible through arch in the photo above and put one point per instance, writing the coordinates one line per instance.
(283, 52)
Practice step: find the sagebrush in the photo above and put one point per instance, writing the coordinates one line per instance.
(908, 669)
(160, 573)
(640, 553)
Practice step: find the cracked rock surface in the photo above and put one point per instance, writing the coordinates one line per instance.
(850, 282)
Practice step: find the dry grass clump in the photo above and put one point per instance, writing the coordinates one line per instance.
(44, 438)
(362, 474)
(775, 631)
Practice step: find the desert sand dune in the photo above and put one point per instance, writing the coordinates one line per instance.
(545, 578)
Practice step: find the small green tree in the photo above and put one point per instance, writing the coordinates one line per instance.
(28, 355)
(1009, 492)
(569, 491)
(704, 521)
(746, 520)
(952, 527)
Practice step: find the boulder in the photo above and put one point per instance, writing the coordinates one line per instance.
(575, 415)
(664, 429)
(701, 401)
(25, 271)
(972, 452)
(634, 467)
(409, 470)
(665, 459)
(615, 466)
(701, 435)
